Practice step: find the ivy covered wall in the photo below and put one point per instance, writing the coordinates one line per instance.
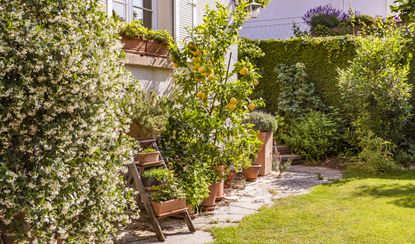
(321, 56)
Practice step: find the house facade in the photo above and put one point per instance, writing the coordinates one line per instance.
(276, 20)
(171, 15)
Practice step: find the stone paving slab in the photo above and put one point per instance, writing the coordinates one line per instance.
(237, 204)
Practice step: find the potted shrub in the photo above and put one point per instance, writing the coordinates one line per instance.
(167, 198)
(220, 191)
(154, 176)
(149, 116)
(139, 39)
(266, 125)
(209, 203)
(148, 155)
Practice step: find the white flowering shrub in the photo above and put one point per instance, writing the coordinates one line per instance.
(63, 119)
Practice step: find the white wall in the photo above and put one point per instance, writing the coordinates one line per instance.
(276, 20)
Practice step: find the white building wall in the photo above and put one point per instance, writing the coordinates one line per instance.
(276, 20)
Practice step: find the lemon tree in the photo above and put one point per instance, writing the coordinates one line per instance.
(207, 127)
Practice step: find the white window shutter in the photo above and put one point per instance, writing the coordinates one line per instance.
(185, 18)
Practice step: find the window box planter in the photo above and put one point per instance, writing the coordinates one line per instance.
(149, 157)
(251, 173)
(169, 207)
(145, 47)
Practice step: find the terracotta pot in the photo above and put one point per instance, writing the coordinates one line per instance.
(192, 211)
(251, 174)
(209, 203)
(264, 157)
(148, 157)
(168, 207)
(134, 44)
(220, 192)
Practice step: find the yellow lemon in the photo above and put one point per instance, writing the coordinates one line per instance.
(244, 71)
(231, 106)
(211, 77)
(200, 94)
(251, 106)
(233, 100)
(201, 69)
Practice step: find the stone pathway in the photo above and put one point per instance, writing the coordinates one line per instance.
(237, 204)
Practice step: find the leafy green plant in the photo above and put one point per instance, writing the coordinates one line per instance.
(149, 115)
(64, 109)
(375, 86)
(297, 94)
(329, 21)
(262, 121)
(149, 150)
(206, 126)
(170, 189)
(135, 29)
(313, 137)
(160, 174)
(376, 156)
(405, 9)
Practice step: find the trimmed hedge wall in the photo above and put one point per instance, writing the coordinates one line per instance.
(322, 57)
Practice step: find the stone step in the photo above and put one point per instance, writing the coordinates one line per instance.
(294, 158)
(282, 149)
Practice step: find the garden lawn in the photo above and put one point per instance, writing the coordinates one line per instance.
(357, 209)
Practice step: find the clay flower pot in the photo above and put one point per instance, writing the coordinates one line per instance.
(134, 44)
(149, 157)
(209, 203)
(157, 48)
(168, 207)
(251, 174)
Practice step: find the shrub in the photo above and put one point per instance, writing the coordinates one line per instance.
(135, 29)
(63, 119)
(206, 126)
(160, 174)
(297, 94)
(262, 121)
(375, 86)
(329, 21)
(313, 137)
(149, 115)
(376, 156)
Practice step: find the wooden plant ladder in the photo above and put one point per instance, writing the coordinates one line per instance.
(134, 180)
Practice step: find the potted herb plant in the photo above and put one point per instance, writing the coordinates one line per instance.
(167, 198)
(154, 176)
(266, 124)
(148, 155)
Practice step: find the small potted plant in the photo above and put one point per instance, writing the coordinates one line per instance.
(266, 124)
(154, 176)
(167, 198)
(251, 173)
(148, 155)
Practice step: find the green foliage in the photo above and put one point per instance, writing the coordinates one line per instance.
(329, 21)
(160, 174)
(135, 29)
(321, 57)
(169, 189)
(297, 94)
(149, 150)
(262, 121)
(313, 137)
(206, 126)
(149, 115)
(63, 119)
(405, 8)
(376, 156)
(375, 86)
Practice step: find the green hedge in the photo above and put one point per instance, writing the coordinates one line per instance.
(322, 57)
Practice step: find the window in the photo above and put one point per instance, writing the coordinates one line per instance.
(120, 8)
(143, 11)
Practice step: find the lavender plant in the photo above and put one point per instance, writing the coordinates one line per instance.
(324, 10)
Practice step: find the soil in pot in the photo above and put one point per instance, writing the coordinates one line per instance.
(251, 173)
(148, 157)
(209, 203)
(168, 207)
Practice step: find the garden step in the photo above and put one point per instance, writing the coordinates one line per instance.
(294, 158)
(282, 149)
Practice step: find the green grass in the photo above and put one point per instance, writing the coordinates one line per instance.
(358, 209)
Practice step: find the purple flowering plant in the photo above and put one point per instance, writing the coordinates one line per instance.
(324, 10)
